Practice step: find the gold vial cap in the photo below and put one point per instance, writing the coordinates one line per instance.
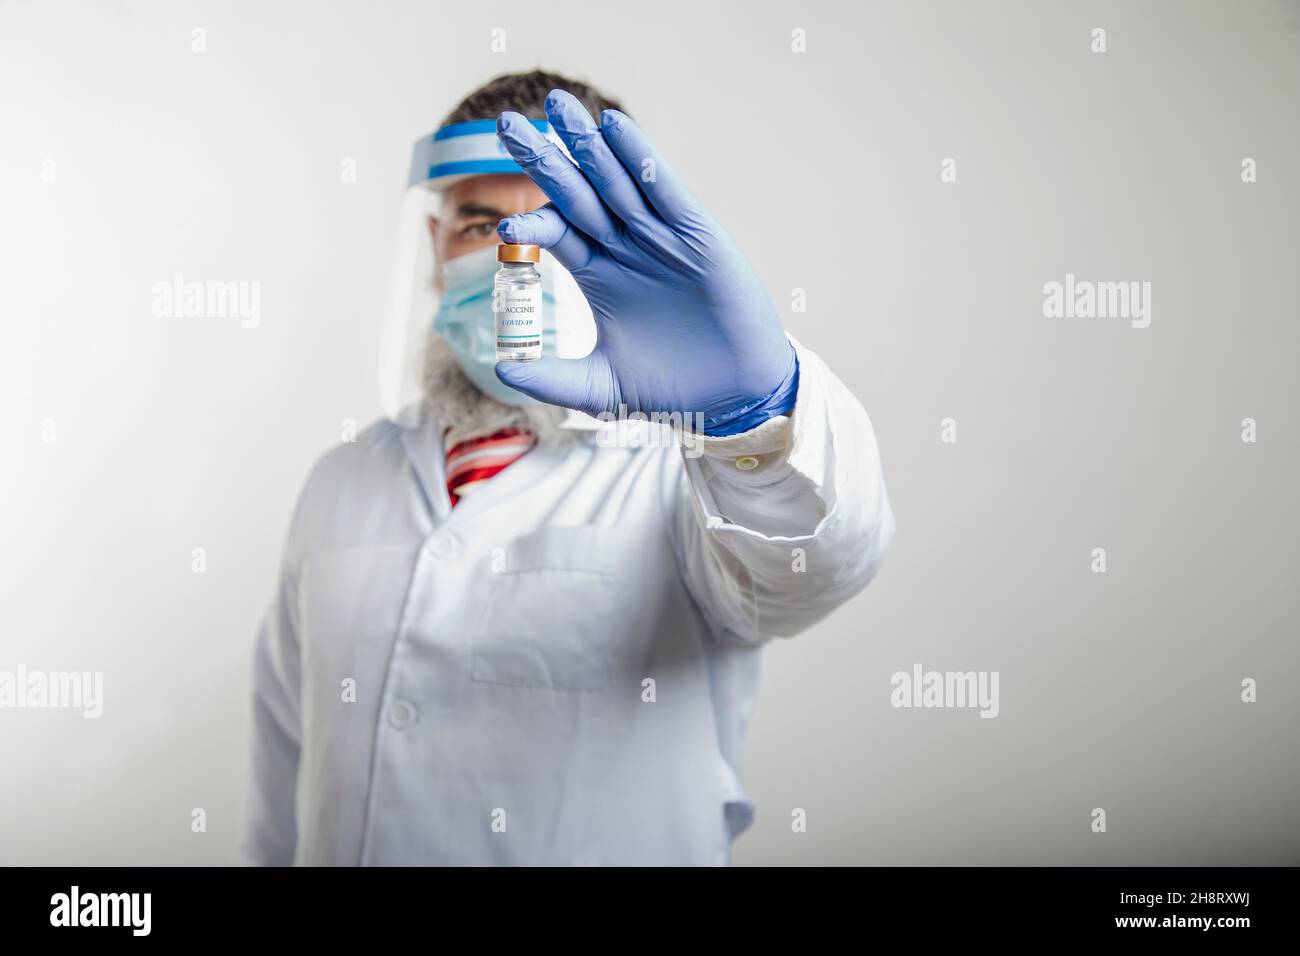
(518, 252)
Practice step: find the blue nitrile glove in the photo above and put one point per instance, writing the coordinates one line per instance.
(682, 323)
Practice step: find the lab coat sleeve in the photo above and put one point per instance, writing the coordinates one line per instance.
(779, 525)
(270, 827)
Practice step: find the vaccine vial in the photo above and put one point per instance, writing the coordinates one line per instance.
(517, 303)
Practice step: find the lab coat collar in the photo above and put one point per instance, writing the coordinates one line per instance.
(428, 457)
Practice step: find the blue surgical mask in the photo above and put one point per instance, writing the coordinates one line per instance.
(465, 319)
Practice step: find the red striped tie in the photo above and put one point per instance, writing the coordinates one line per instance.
(471, 462)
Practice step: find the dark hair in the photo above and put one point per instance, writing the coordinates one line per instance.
(525, 93)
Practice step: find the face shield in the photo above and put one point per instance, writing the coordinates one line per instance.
(461, 310)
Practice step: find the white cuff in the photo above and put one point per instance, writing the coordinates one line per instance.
(767, 451)
(752, 453)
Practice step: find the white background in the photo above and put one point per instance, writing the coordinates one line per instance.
(1118, 691)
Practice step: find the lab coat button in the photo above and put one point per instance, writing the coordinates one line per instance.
(402, 714)
(443, 547)
(747, 463)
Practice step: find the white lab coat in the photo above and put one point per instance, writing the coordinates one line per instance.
(561, 669)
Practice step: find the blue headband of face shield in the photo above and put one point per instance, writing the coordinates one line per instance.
(467, 149)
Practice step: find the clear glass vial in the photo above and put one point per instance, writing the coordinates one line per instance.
(517, 303)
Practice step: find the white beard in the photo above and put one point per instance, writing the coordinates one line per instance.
(461, 411)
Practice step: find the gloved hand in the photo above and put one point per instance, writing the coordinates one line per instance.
(682, 323)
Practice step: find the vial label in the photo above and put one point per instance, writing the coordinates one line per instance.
(519, 323)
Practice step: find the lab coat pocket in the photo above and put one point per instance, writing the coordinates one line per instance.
(551, 619)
